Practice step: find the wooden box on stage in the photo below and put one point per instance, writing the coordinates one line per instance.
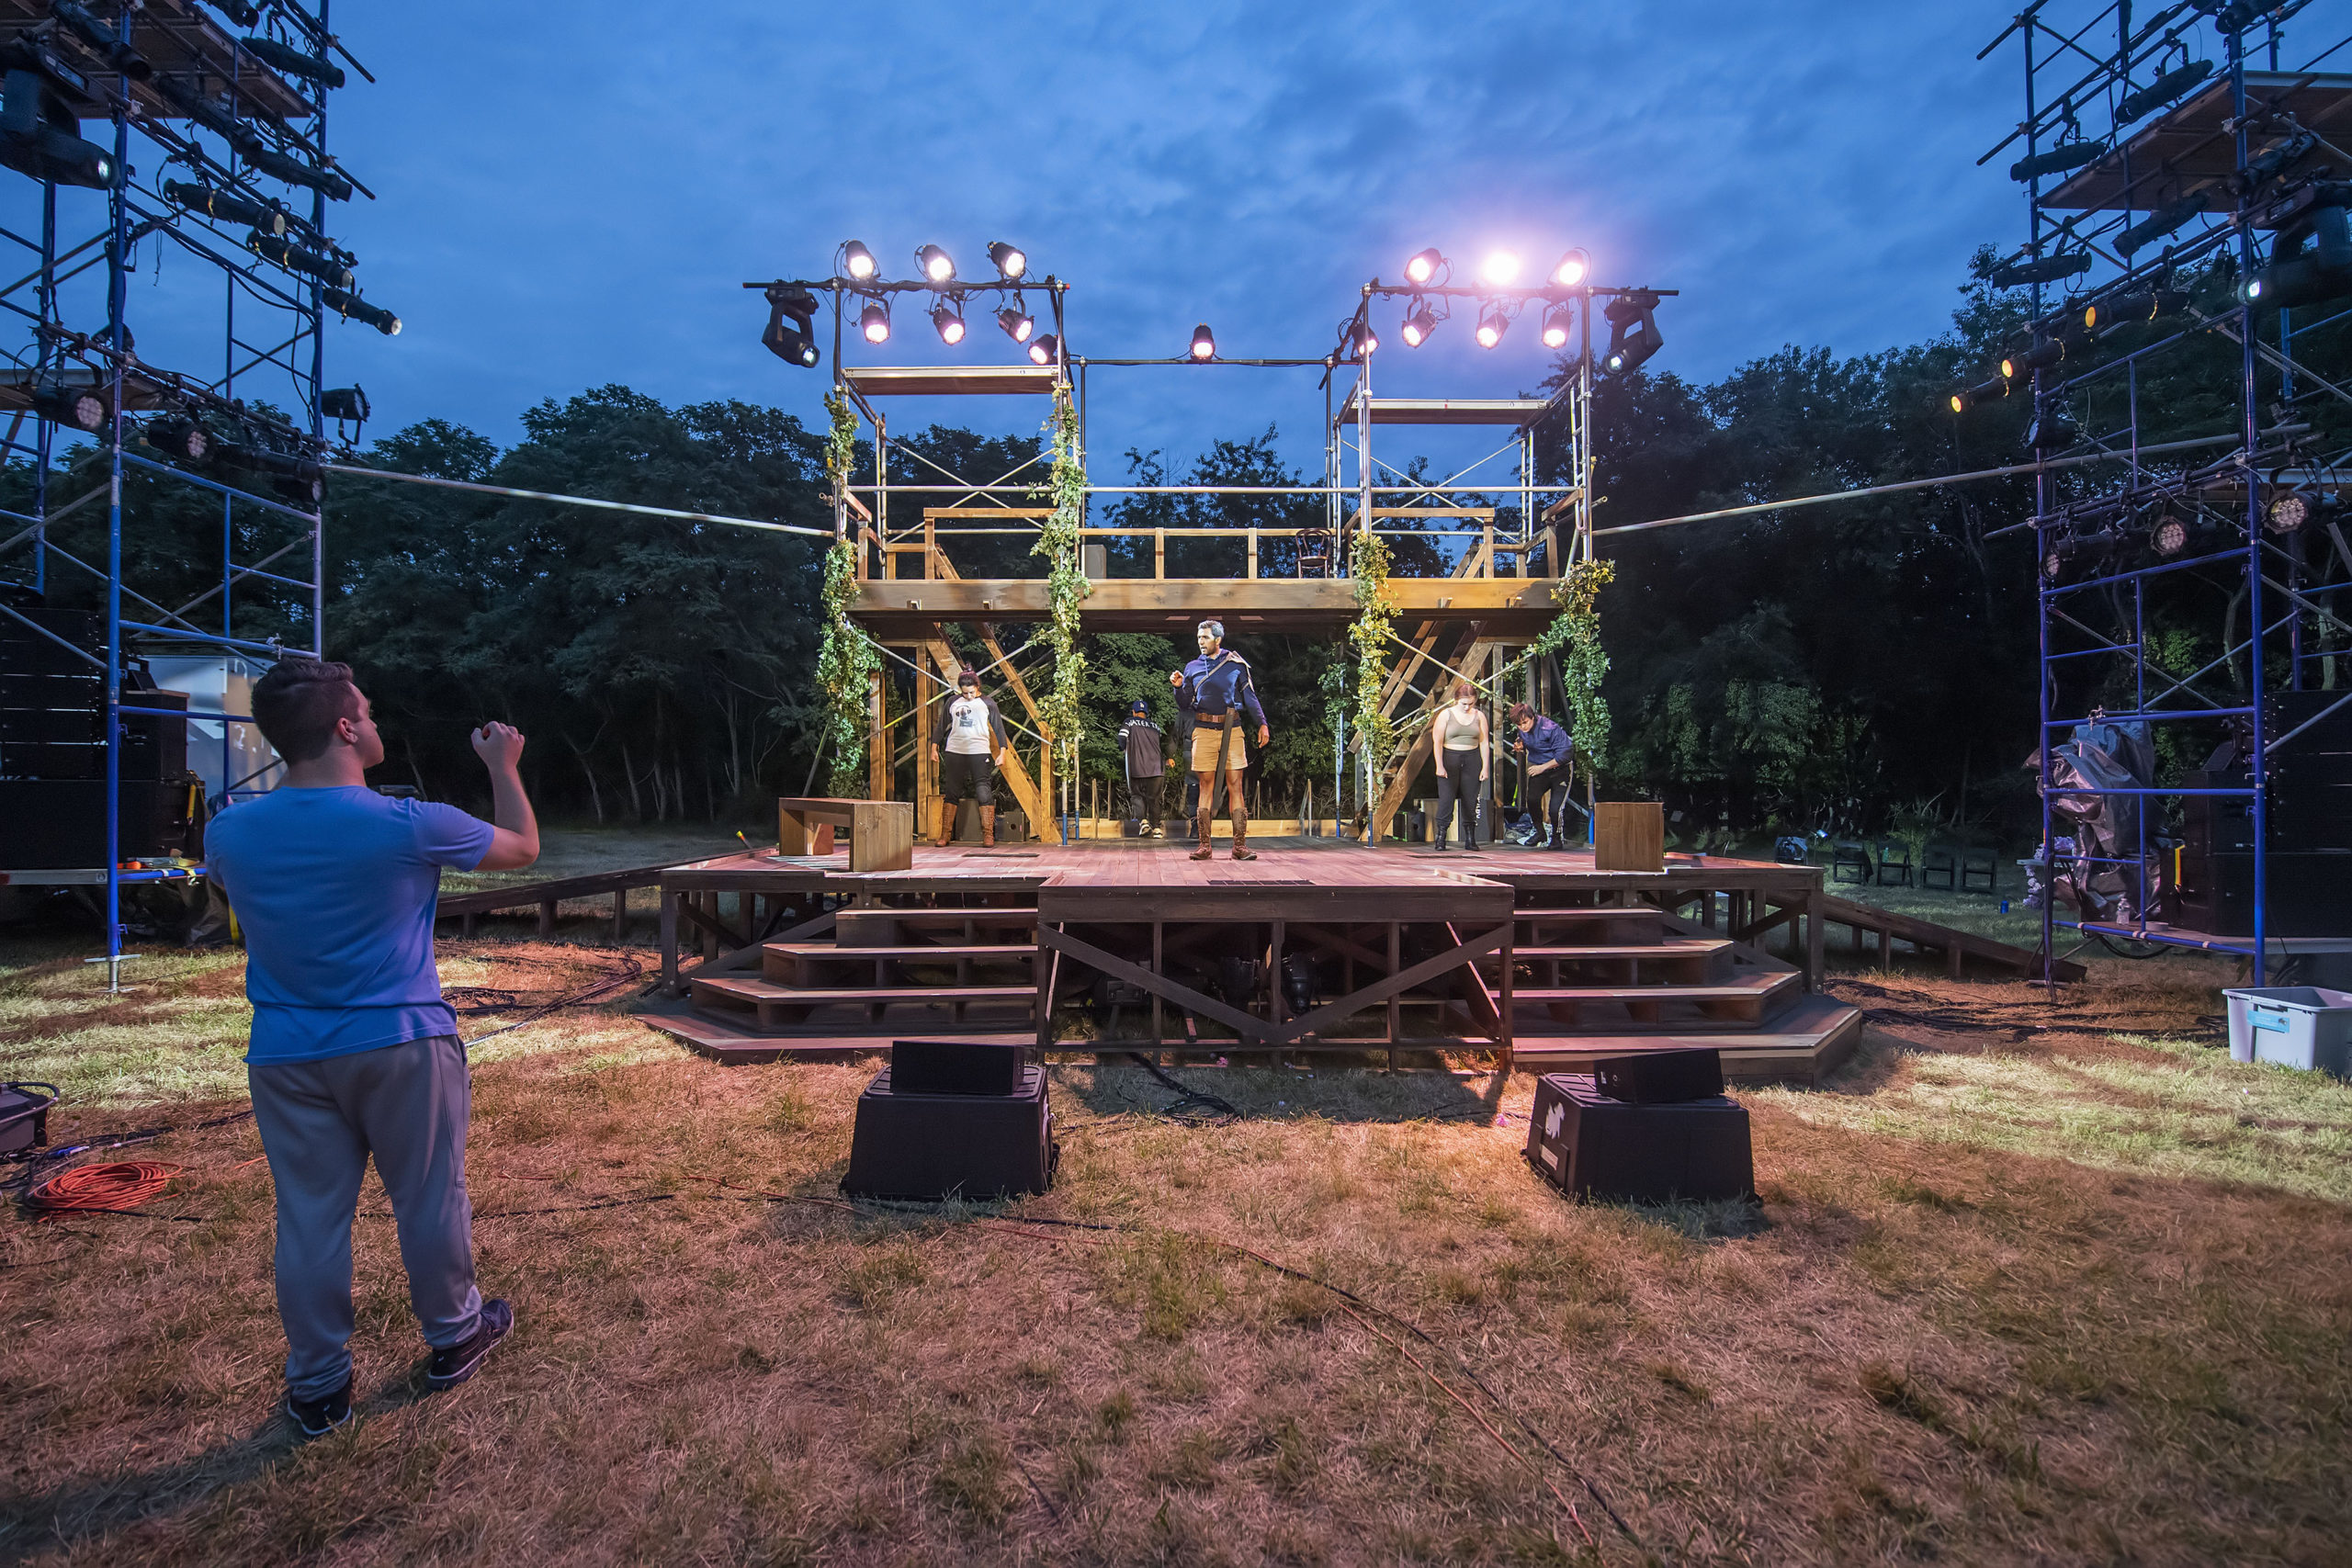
(1628, 835)
(974, 1146)
(881, 832)
(1589, 1145)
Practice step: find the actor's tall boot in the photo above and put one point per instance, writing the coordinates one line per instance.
(1201, 833)
(946, 822)
(988, 827)
(1242, 849)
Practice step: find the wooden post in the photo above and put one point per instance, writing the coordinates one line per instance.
(1253, 553)
(620, 914)
(1159, 1027)
(1813, 935)
(547, 917)
(878, 741)
(1158, 554)
(670, 942)
(1395, 1007)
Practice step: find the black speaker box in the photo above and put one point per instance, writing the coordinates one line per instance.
(24, 1116)
(54, 824)
(955, 1067)
(1661, 1078)
(1589, 1145)
(929, 1146)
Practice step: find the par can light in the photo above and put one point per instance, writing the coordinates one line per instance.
(874, 323)
(1047, 350)
(1017, 323)
(1424, 265)
(1492, 324)
(1204, 343)
(857, 261)
(936, 265)
(950, 323)
(1419, 324)
(1501, 268)
(1011, 261)
(1574, 268)
(1558, 322)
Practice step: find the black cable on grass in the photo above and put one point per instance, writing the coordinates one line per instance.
(479, 999)
(1182, 1110)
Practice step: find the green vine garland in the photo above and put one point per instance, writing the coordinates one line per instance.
(1370, 633)
(845, 658)
(1575, 636)
(1066, 584)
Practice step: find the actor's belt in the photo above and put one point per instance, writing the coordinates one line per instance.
(1210, 720)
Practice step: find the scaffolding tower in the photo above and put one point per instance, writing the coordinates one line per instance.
(211, 153)
(2183, 183)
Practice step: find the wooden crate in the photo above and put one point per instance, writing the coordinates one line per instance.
(881, 832)
(1628, 835)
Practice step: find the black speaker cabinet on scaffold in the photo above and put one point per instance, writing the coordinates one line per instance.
(1589, 1145)
(974, 1146)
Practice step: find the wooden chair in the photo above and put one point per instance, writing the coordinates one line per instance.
(1315, 551)
(1939, 871)
(1850, 862)
(1893, 865)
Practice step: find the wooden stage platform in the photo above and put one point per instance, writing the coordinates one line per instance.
(1317, 945)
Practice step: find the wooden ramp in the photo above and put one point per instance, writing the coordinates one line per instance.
(1957, 946)
(1802, 1047)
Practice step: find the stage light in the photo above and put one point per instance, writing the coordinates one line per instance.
(1011, 261)
(2162, 91)
(1633, 336)
(2290, 513)
(179, 437)
(40, 134)
(1362, 340)
(2159, 223)
(874, 323)
(293, 62)
(349, 404)
(294, 259)
(2041, 269)
(795, 344)
(950, 322)
(2144, 305)
(1418, 325)
(100, 36)
(2051, 431)
(2323, 273)
(353, 308)
(227, 207)
(2170, 535)
(1558, 322)
(936, 265)
(858, 262)
(1423, 265)
(1017, 323)
(1983, 392)
(1574, 268)
(2057, 160)
(1204, 343)
(1492, 324)
(1047, 350)
(1501, 269)
(81, 408)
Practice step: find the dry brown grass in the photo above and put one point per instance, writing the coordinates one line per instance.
(2059, 1344)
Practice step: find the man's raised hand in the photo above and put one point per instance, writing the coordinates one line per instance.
(498, 745)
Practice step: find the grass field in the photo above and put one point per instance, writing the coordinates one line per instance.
(2031, 1282)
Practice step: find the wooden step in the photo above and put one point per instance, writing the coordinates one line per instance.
(1804, 1043)
(788, 1007)
(1628, 923)
(1688, 960)
(818, 963)
(1744, 1001)
(892, 927)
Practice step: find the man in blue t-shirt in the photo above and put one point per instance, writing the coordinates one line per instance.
(354, 1052)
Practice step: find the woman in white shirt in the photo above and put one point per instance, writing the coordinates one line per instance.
(971, 732)
(1462, 744)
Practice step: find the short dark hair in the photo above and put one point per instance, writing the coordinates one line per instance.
(968, 677)
(297, 702)
(1520, 711)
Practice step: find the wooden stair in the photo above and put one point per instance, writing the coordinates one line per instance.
(791, 1006)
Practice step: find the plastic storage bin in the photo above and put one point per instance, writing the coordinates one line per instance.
(2294, 1026)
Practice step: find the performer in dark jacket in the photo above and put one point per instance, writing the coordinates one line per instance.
(1545, 751)
(972, 731)
(1216, 691)
(1140, 740)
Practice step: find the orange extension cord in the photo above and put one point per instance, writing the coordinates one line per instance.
(108, 1189)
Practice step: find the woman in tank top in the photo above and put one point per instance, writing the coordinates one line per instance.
(1460, 735)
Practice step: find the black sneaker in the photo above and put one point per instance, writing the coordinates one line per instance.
(317, 1417)
(454, 1364)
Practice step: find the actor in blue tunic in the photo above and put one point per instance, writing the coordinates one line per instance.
(1216, 691)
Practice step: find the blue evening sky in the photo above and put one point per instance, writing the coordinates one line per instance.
(571, 195)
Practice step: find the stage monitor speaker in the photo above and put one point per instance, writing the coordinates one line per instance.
(1589, 1145)
(957, 1067)
(931, 1146)
(1661, 1078)
(24, 1115)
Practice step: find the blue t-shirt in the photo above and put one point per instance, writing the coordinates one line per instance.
(335, 890)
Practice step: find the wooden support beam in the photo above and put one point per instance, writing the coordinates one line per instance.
(878, 741)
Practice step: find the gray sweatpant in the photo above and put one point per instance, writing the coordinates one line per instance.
(407, 1105)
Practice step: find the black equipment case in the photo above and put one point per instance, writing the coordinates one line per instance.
(1587, 1144)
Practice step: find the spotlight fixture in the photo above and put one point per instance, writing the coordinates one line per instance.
(936, 265)
(2289, 512)
(1632, 332)
(180, 438)
(264, 218)
(99, 35)
(1362, 339)
(2057, 160)
(345, 405)
(40, 133)
(858, 262)
(352, 307)
(1017, 323)
(295, 258)
(81, 408)
(2323, 273)
(874, 323)
(2051, 430)
(1423, 265)
(1574, 268)
(1419, 324)
(293, 62)
(2039, 269)
(2162, 91)
(1203, 348)
(949, 320)
(1558, 322)
(1047, 350)
(1010, 261)
(1492, 324)
(789, 336)
(1501, 268)
(2160, 223)
(2169, 536)
(1983, 392)
(2146, 305)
